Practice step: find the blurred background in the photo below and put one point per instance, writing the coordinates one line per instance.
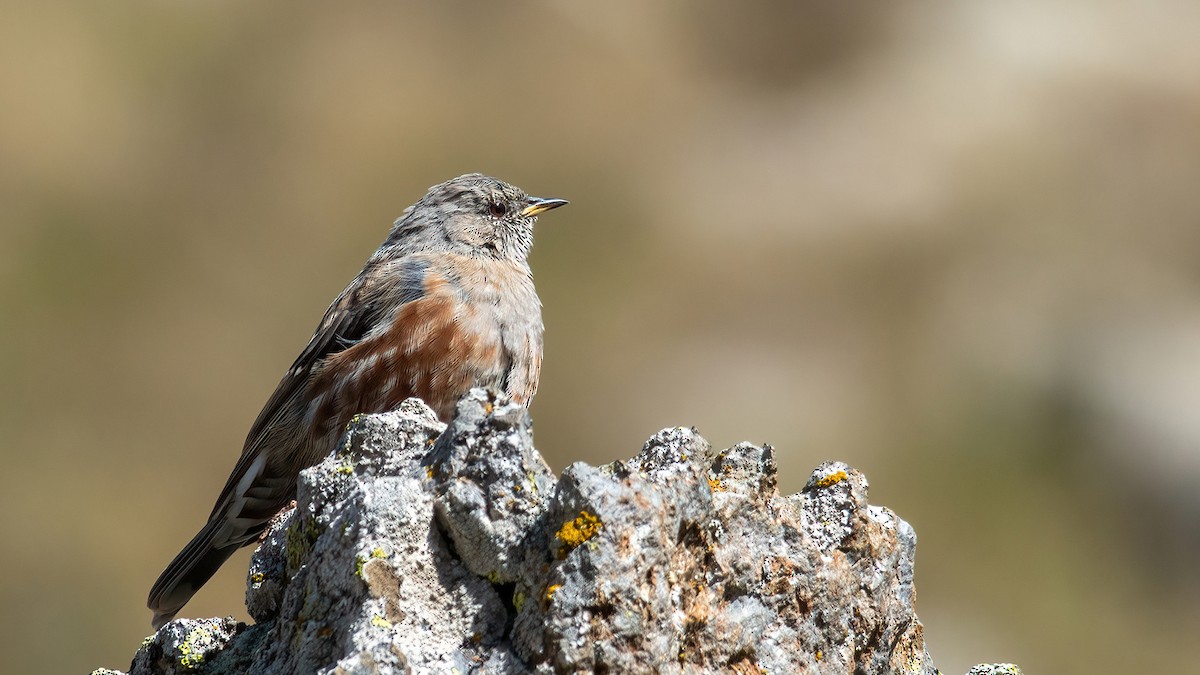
(955, 245)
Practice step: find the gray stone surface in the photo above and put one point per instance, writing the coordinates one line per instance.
(414, 550)
(995, 669)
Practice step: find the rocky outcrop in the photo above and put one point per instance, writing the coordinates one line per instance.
(421, 548)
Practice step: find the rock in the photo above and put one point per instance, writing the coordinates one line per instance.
(196, 646)
(421, 548)
(995, 669)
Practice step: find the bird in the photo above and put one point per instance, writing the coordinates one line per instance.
(445, 304)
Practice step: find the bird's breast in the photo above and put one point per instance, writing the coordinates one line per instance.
(476, 325)
(503, 299)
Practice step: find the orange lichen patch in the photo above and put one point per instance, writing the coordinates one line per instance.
(625, 545)
(580, 529)
(715, 485)
(832, 479)
(551, 590)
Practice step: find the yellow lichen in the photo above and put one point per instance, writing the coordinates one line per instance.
(582, 528)
(380, 622)
(191, 653)
(518, 600)
(257, 578)
(378, 552)
(832, 479)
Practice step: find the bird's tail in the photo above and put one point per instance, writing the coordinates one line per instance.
(194, 565)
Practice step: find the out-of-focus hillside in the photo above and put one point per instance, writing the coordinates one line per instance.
(955, 246)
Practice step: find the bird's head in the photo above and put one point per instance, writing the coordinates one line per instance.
(474, 215)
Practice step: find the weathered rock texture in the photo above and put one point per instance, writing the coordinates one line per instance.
(413, 549)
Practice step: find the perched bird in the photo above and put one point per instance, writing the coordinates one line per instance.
(447, 303)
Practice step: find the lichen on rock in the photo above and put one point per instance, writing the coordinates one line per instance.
(425, 548)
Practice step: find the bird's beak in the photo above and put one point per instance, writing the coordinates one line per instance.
(538, 205)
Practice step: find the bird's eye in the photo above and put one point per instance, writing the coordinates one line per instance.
(498, 209)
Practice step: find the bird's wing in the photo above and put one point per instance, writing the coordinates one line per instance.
(257, 489)
(360, 307)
